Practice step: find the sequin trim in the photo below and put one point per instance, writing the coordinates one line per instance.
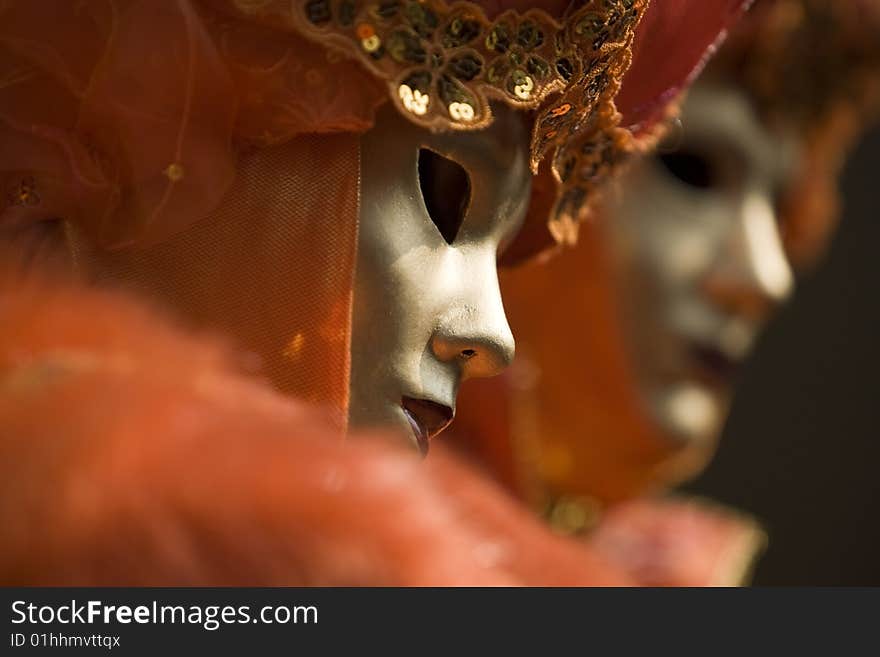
(444, 63)
(24, 192)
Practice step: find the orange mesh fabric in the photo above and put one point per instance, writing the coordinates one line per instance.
(129, 115)
(85, 83)
(272, 266)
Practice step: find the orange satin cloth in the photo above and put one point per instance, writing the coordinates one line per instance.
(272, 268)
(131, 115)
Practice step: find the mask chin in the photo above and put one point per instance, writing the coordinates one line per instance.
(698, 257)
(688, 413)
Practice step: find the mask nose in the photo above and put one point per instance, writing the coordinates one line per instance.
(752, 273)
(475, 334)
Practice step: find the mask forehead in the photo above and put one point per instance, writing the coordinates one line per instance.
(724, 117)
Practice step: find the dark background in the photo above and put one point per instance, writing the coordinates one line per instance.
(801, 450)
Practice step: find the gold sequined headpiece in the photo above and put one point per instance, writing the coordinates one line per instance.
(443, 64)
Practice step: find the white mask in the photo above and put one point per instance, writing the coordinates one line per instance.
(435, 211)
(700, 258)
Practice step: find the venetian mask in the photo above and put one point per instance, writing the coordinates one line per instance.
(697, 245)
(436, 209)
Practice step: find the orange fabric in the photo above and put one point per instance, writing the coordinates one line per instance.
(189, 472)
(680, 542)
(150, 129)
(272, 267)
(129, 114)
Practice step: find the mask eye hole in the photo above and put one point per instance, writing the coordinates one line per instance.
(692, 168)
(446, 190)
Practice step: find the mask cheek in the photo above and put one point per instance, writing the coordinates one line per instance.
(393, 315)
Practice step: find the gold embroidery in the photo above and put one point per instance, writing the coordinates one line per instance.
(174, 172)
(444, 63)
(24, 193)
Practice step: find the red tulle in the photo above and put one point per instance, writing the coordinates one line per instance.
(673, 41)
